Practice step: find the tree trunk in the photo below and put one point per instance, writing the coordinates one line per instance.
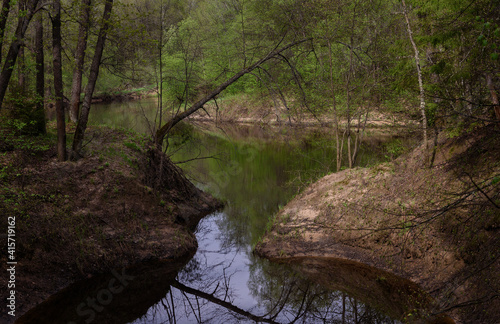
(419, 75)
(4, 14)
(40, 75)
(160, 134)
(15, 45)
(348, 102)
(494, 96)
(58, 81)
(359, 136)
(335, 111)
(21, 69)
(89, 90)
(350, 76)
(76, 87)
(160, 78)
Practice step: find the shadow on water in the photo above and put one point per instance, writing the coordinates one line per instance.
(116, 297)
(255, 171)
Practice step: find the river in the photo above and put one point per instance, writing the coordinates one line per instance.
(255, 170)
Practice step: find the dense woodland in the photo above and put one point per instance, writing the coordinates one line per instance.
(435, 61)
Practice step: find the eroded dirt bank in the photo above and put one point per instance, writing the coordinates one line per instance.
(435, 226)
(74, 220)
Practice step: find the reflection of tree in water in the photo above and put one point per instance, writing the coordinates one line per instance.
(283, 297)
(234, 234)
(289, 298)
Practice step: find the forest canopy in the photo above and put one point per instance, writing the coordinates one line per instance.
(435, 61)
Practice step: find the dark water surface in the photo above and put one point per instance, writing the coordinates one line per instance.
(255, 171)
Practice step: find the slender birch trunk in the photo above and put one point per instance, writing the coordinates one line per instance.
(419, 74)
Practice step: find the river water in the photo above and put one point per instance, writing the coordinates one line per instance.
(255, 170)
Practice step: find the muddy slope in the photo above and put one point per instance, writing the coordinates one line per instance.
(77, 219)
(437, 226)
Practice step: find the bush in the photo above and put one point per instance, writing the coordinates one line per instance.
(26, 116)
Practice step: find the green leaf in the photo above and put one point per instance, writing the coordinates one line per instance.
(494, 56)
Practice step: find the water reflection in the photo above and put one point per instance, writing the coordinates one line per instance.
(137, 115)
(228, 284)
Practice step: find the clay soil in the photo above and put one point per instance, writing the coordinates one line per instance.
(437, 226)
(75, 220)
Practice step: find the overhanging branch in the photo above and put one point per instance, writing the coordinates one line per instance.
(162, 132)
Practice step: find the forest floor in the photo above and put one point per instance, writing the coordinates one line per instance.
(74, 220)
(438, 226)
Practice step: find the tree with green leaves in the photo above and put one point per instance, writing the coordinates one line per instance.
(28, 8)
(163, 131)
(461, 42)
(89, 90)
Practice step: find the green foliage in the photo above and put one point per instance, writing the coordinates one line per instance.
(359, 55)
(489, 38)
(431, 111)
(461, 42)
(132, 146)
(25, 115)
(17, 134)
(394, 149)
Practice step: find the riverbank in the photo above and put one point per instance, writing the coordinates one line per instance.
(435, 226)
(74, 220)
(125, 95)
(245, 109)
